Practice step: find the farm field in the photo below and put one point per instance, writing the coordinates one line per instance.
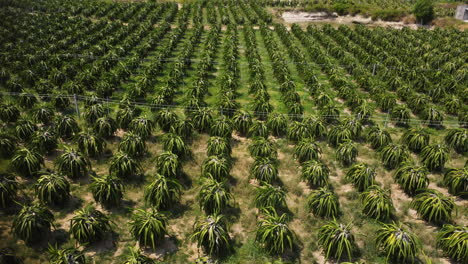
(208, 132)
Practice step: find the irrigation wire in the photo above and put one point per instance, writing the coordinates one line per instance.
(231, 110)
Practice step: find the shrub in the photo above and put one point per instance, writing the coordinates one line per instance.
(265, 170)
(457, 181)
(411, 177)
(315, 173)
(376, 203)
(361, 176)
(400, 245)
(273, 232)
(89, 225)
(212, 235)
(433, 206)
(424, 11)
(324, 203)
(107, 190)
(337, 241)
(148, 227)
(453, 240)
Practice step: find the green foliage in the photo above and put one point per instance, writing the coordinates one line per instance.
(376, 203)
(433, 206)
(277, 124)
(347, 152)
(361, 176)
(262, 148)
(218, 146)
(93, 112)
(354, 125)
(175, 144)
(9, 113)
(411, 177)
(393, 155)
(65, 256)
(202, 119)
(124, 166)
(401, 115)
(299, 130)
(183, 128)
(378, 138)
(457, 181)
(398, 244)
(167, 164)
(89, 225)
(66, 126)
(339, 134)
(27, 101)
(337, 241)
(424, 11)
(44, 140)
(8, 189)
(142, 126)
(32, 222)
(315, 173)
(107, 190)
(264, 170)
(125, 116)
(214, 197)
(43, 115)
(221, 127)
(457, 139)
(24, 129)
(307, 149)
(7, 256)
(136, 257)
(453, 240)
(105, 126)
(7, 145)
(52, 188)
(324, 202)
(242, 121)
(432, 116)
(72, 164)
(434, 156)
(132, 144)
(90, 144)
(27, 162)
(148, 227)
(330, 113)
(273, 232)
(416, 139)
(267, 195)
(258, 129)
(317, 126)
(163, 192)
(216, 167)
(212, 235)
(166, 118)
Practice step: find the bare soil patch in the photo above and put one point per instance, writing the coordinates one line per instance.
(324, 17)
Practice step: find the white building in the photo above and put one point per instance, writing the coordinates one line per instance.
(462, 13)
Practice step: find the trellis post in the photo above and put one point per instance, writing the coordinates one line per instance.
(76, 105)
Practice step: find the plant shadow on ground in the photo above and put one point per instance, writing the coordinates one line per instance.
(185, 180)
(125, 207)
(178, 210)
(107, 244)
(55, 237)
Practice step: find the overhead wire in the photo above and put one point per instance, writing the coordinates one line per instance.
(80, 98)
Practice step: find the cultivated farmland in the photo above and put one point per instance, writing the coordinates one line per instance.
(209, 131)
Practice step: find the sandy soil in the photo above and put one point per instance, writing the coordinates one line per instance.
(315, 17)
